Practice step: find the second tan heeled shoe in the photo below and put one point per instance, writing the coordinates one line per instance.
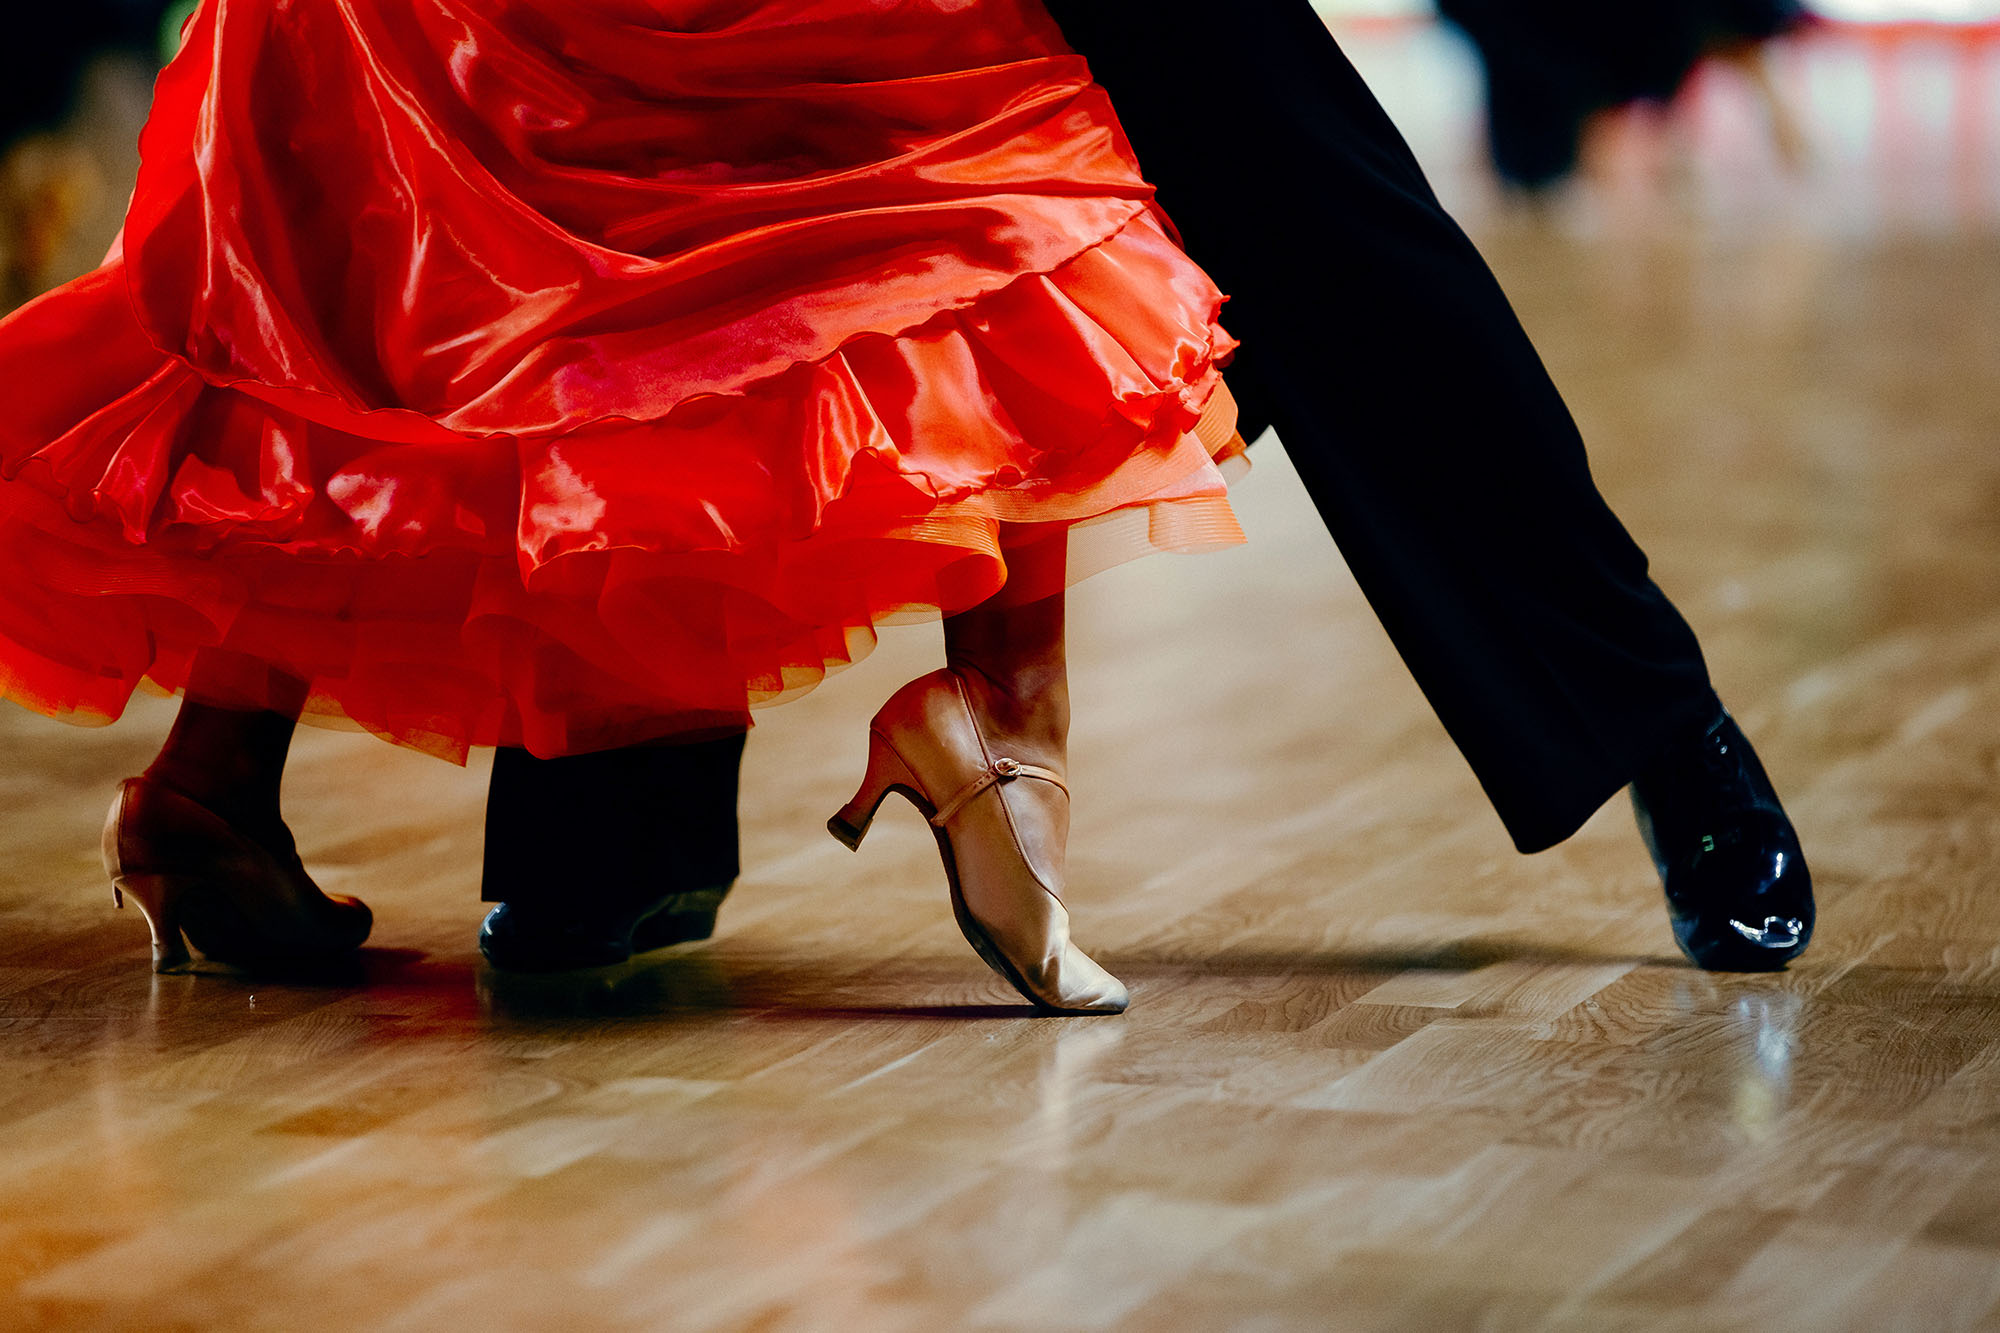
(200, 881)
(1001, 827)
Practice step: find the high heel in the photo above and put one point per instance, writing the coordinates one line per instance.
(1000, 825)
(159, 901)
(200, 881)
(886, 773)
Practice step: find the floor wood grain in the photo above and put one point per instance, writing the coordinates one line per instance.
(1380, 1072)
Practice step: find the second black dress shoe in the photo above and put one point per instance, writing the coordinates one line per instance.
(546, 938)
(595, 857)
(1738, 891)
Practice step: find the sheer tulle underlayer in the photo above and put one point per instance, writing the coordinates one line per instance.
(572, 373)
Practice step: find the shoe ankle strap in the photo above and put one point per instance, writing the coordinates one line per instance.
(1000, 770)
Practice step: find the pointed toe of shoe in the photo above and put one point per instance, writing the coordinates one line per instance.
(1754, 917)
(1111, 999)
(353, 922)
(1739, 895)
(357, 919)
(517, 939)
(514, 941)
(1082, 986)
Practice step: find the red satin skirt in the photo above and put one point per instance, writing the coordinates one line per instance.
(571, 373)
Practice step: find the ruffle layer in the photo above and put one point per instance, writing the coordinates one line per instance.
(502, 445)
(619, 582)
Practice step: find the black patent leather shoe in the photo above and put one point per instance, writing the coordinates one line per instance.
(595, 857)
(1738, 891)
(538, 938)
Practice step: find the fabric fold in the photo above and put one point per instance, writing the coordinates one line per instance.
(575, 374)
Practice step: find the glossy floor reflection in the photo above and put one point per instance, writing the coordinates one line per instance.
(1380, 1072)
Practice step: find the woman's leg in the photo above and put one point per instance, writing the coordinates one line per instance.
(1013, 660)
(982, 747)
(199, 844)
(232, 760)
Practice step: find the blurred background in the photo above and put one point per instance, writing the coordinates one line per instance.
(75, 80)
(1854, 115)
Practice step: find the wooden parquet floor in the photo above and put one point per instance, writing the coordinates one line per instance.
(1380, 1072)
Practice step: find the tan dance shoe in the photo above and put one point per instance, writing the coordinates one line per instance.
(200, 881)
(1001, 826)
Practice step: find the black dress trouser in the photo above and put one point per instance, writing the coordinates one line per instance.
(1406, 393)
(1412, 403)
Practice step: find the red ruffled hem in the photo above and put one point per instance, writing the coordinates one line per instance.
(618, 582)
